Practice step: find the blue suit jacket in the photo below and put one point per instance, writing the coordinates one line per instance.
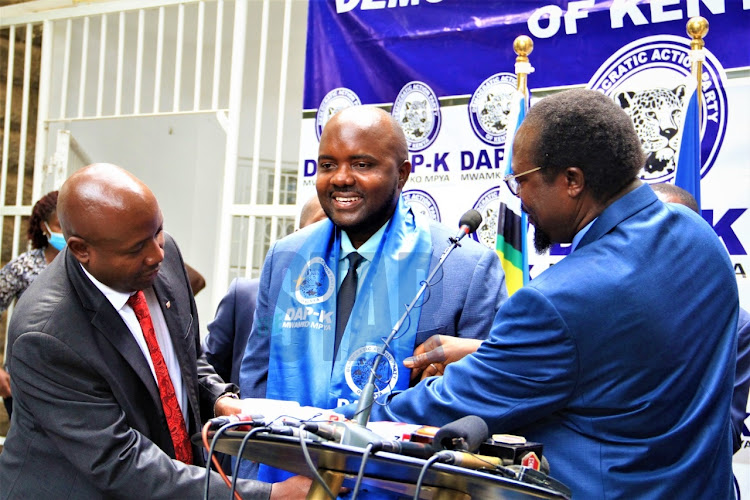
(617, 358)
(228, 332)
(462, 303)
(741, 381)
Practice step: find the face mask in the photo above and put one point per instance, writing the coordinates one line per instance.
(57, 240)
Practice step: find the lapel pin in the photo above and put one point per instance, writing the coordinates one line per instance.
(168, 304)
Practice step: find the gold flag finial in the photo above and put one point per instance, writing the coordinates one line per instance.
(697, 28)
(523, 46)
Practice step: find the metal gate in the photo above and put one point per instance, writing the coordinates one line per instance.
(118, 60)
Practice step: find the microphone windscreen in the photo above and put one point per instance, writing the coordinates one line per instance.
(466, 433)
(471, 219)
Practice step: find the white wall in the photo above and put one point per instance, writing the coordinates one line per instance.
(181, 157)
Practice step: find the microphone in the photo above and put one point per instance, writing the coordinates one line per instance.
(471, 461)
(346, 433)
(468, 224)
(408, 448)
(465, 434)
(252, 421)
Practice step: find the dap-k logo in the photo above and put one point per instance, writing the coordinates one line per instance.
(647, 79)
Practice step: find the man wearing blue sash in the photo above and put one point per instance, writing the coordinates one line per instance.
(330, 293)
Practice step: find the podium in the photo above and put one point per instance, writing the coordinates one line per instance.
(339, 464)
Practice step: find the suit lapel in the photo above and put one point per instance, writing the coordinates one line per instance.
(109, 323)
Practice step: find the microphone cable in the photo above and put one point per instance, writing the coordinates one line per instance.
(422, 473)
(236, 468)
(311, 465)
(212, 458)
(361, 473)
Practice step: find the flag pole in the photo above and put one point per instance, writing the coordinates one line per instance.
(523, 46)
(697, 28)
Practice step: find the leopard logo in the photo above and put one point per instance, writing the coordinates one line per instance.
(656, 115)
(495, 112)
(416, 119)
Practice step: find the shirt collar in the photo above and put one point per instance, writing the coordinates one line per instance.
(367, 249)
(117, 299)
(580, 234)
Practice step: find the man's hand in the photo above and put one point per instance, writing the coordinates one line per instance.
(296, 487)
(437, 352)
(4, 384)
(227, 406)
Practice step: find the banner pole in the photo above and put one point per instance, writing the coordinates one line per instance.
(697, 28)
(523, 46)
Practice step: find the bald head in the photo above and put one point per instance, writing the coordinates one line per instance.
(113, 226)
(362, 167)
(96, 191)
(311, 212)
(377, 121)
(669, 193)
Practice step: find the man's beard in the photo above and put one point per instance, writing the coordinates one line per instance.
(542, 241)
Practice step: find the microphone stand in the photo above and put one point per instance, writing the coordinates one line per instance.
(367, 399)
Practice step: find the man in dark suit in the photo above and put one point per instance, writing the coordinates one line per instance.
(85, 353)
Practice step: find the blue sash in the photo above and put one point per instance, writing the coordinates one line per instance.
(301, 367)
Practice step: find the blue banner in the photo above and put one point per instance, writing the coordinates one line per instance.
(375, 47)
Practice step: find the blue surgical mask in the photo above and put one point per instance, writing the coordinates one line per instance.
(57, 240)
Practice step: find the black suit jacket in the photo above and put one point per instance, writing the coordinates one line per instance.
(88, 420)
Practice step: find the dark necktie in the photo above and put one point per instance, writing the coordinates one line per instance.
(182, 448)
(345, 298)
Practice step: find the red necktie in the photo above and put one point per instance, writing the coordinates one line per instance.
(180, 440)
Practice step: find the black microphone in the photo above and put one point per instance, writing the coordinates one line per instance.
(252, 421)
(465, 434)
(408, 448)
(468, 224)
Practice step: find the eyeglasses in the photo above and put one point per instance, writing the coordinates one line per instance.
(512, 183)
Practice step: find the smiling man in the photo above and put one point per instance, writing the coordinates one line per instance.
(331, 292)
(620, 357)
(109, 382)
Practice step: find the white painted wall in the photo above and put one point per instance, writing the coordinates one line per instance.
(181, 157)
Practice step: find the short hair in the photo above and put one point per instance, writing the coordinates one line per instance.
(680, 195)
(586, 129)
(43, 209)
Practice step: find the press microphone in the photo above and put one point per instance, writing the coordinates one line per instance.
(465, 434)
(468, 224)
(347, 433)
(251, 420)
(470, 460)
(408, 448)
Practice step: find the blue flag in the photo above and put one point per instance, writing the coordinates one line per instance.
(688, 173)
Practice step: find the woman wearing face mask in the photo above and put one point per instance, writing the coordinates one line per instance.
(46, 241)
